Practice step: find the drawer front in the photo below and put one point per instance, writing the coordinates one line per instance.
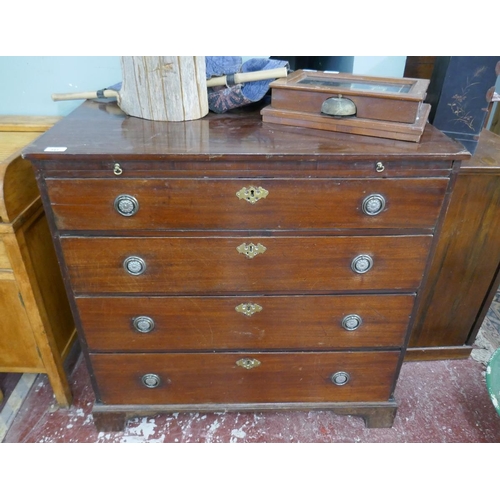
(210, 204)
(257, 264)
(250, 377)
(239, 323)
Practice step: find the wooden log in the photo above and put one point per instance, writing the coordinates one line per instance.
(164, 88)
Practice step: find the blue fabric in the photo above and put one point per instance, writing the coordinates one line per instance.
(255, 91)
(228, 65)
(222, 99)
(222, 65)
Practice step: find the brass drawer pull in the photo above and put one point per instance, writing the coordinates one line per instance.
(248, 309)
(248, 363)
(134, 265)
(373, 204)
(362, 264)
(126, 205)
(252, 194)
(251, 250)
(340, 378)
(143, 324)
(351, 322)
(151, 380)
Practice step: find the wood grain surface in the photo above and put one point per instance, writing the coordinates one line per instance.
(208, 204)
(216, 378)
(206, 323)
(213, 265)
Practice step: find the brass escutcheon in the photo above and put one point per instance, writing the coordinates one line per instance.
(252, 194)
(248, 309)
(248, 363)
(251, 250)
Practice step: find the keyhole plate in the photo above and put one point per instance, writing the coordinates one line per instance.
(251, 250)
(252, 194)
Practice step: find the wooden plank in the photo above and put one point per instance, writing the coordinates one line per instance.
(28, 123)
(11, 143)
(466, 262)
(4, 259)
(18, 188)
(33, 301)
(17, 344)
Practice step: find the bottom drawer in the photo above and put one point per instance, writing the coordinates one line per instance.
(253, 377)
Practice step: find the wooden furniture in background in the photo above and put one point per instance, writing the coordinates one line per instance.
(419, 67)
(36, 326)
(495, 120)
(464, 273)
(225, 264)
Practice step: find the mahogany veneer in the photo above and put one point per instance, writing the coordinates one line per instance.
(466, 262)
(243, 242)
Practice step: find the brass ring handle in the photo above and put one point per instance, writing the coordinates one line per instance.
(126, 205)
(143, 324)
(351, 322)
(134, 265)
(252, 194)
(151, 380)
(362, 264)
(340, 378)
(373, 204)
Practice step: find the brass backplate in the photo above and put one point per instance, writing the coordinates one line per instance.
(248, 363)
(248, 309)
(252, 194)
(250, 249)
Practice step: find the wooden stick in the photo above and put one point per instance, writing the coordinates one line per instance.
(84, 95)
(252, 76)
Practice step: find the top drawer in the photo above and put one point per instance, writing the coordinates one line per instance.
(245, 204)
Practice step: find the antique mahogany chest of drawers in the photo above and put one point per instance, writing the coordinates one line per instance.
(230, 264)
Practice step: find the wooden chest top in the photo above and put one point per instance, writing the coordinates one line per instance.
(103, 131)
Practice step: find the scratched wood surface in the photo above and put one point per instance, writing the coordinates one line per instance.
(164, 88)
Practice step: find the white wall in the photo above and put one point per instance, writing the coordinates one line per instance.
(393, 66)
(27, 82)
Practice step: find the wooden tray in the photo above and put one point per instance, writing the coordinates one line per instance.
(411, 132)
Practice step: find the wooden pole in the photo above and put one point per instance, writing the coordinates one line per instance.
(250, 76)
